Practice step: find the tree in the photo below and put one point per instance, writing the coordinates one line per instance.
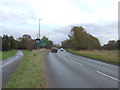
(5, 43)
(112, 45)
(26, 42)
(46, 42)
(80, 39)
(8, 43)
(12, 43)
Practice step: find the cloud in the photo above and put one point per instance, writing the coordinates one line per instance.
(21, 16)
(104, 32)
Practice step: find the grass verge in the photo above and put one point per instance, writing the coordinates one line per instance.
(7, 54)
(30, 72)
(109, 56)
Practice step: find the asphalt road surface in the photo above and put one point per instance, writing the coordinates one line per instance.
(9, 66)
(65, 70)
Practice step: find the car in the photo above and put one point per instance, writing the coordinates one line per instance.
(61, 49)
(54, 49)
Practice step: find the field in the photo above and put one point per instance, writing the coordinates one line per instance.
(30, 72)
(109, 56)
(7, 54)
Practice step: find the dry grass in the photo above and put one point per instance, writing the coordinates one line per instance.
(110, 56)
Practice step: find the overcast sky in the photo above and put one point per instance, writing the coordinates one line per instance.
(98, 17)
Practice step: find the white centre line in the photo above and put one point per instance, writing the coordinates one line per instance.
(77, 62)
(108, 75)
(96, 71)
(80, 63)
(74, 60)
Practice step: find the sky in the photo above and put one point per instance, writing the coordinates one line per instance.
(98, 17)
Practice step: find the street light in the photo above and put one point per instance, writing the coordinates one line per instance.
(38, 41)
(39, 27)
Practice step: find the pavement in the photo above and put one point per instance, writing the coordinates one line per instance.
(66, 70)
(9, 66)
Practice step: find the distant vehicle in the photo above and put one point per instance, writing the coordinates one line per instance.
(54, 49)
(61, 49)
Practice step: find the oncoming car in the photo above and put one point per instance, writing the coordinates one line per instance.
(61, 49)
(54, 49)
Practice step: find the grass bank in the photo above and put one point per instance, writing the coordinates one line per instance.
(7, 54)
(30, 72)
(109, 56)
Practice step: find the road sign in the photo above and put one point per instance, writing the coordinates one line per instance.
(38, 41)
(43, 43)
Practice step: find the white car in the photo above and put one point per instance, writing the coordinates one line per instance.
(61, 49)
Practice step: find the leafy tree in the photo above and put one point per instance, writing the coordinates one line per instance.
(24, 42)
(5, 43)
(80, 39)
(112, 45)
(48, 42)
(8, 43)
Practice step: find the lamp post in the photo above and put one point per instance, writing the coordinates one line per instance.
(38, 41)
(39, 27)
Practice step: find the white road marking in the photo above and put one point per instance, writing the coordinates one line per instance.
(108, 75)
(96, 71)
(74, 61)
(77, 62)
(8, 62)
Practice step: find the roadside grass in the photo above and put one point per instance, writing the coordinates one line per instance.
(0, 55)
(30, 72)
(109, 56)
(7, 54)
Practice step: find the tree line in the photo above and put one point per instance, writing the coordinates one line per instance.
(79, 39)
(112, 45)
(25, 42)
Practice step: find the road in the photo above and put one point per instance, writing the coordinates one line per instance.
(65, 70)
(9, 66)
